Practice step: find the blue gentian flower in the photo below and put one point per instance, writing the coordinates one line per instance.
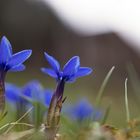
(32, 91)
(20, 99)
(71, 71)
(9, 62)
(35, 92)
(83, 110)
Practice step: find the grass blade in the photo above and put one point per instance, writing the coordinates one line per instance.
(126, 102)
(103, 85)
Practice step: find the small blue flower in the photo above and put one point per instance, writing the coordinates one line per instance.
(71, 70)
(32, 91)
(35, 92)
(9, 61)
(84, 110)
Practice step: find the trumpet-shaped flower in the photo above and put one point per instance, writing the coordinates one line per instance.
(71, 70)
(10, 61)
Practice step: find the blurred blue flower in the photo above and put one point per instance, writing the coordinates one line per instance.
(71, 70)
(84, 110)
(9, 61)
(32, 94)
(32, 91)
(35, 92)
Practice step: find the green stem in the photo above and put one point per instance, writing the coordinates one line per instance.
(53, 116)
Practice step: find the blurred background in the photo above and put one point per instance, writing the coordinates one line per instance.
(103, 33)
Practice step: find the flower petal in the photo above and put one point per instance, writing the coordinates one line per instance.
(83, 71)
(50, 72)
(5, 50)
(71, 66)
(20, 67)
(19, 58)
(53, 62)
